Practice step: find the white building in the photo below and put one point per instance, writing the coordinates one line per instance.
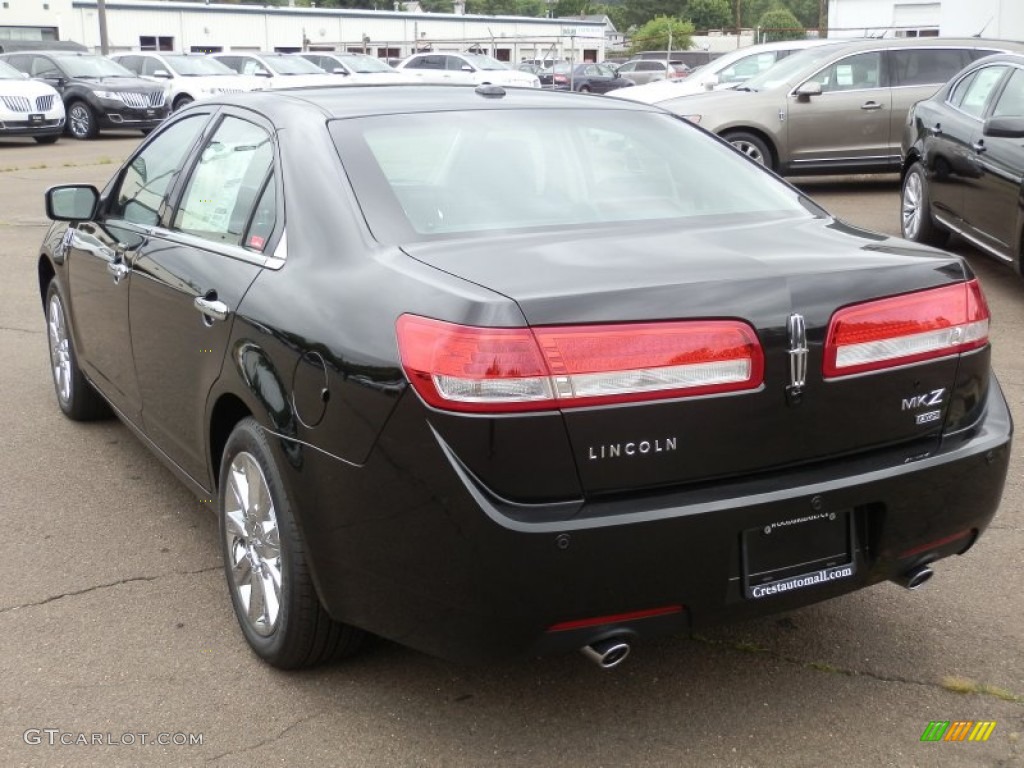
(152, 25)
(999, 19)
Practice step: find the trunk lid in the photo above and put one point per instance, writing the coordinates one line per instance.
(752, 272)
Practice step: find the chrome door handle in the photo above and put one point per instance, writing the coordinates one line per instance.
(211, 308)
(869, 105)
(118, 269)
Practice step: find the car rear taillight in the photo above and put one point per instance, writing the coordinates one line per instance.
(560, 79)
(462, 368)
(906, 329)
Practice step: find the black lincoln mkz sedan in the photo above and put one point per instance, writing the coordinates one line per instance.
(963, 160)
(446, 382)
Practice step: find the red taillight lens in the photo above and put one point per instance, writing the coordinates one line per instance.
(906, 329)
(462, 368)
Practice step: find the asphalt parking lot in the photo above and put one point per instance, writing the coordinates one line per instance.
(115, 622)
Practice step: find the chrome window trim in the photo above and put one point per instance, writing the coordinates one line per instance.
(236, 252)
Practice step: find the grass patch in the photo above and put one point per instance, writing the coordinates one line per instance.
(965, 686)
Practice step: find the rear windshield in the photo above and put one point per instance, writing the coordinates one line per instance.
(420, 176)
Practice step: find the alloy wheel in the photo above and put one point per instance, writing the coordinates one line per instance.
(911, 206)
(60, 349)
(80, 120)
(749, 149)
(253, 544)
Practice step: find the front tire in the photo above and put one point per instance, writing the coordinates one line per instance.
(916, 221)
(268, 576)
(182, 101)
(753, 147)
(75, 395)
(82, 121)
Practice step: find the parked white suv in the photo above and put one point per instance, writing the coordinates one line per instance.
(466, 68)
(356, 67)
(189, 77)
(29, 107)
(281, 70)
(727, 71)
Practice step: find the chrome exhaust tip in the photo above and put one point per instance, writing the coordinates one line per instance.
(916, 577)
(607, 653)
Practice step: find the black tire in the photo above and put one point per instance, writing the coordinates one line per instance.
(146, 131)
(75, 395)
(82, 121)
(46, 139)
(182, 101)
(584, 89)
(916, 222)
(300, 633)
(753, 146)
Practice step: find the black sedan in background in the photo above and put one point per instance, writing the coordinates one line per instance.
(98, 93)
(585, 78)
(467, 394)
(963, 160)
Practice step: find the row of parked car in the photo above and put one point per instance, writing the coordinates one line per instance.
(45, 93)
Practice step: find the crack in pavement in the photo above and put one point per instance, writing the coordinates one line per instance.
(831, 668)
(265, 742)
(119, 582)
(21, 330)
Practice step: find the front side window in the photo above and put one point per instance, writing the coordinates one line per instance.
(226, 183)
(853, 73)
(147, 179)
(980, 88)
(1011, 100)
(485, 171)
(747, 67)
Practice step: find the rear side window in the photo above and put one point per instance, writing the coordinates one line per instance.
(226, 183)
(1011, 100)
(980, 88)
(926, 66)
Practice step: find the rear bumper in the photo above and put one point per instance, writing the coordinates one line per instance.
(411, 547)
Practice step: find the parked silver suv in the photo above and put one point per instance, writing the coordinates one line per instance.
(836, 108)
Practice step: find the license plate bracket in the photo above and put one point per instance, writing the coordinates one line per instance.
(36, 118)
(799, 552)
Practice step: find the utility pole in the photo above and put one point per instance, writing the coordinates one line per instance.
(101, 15)
(822, 19)
(739, 21)
(668, 53)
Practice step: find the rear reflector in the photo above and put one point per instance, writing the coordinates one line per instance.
(906, 329)
(617, 618)
(463, 368)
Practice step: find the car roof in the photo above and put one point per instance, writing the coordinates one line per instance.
(876, 43)
(294, 105)
(996, 58)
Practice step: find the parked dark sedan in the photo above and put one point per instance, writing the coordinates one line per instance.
(431, 394)
(97, 92)
(963, 160)
(598, 78)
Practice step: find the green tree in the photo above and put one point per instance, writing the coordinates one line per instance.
(710, 14)
(654, 35)
(780, 24)
(639, 12)
(807, 12)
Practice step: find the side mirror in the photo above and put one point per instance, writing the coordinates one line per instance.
(466, 68)
(710, 82)
(72, 202)
(1004, 127)
(261, 73)
(162, 73)
(25, 76)
(808, 89)
(340, 71)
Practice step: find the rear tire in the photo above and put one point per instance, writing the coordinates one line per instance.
(584, 89)
(916, 221)
(82, 120)
(753, 147)
(75, 395)
(46, 139)
(268, 576)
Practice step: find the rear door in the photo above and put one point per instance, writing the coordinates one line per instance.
(848, 124)
(992, 207)
(192, 275)
(916, 74)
